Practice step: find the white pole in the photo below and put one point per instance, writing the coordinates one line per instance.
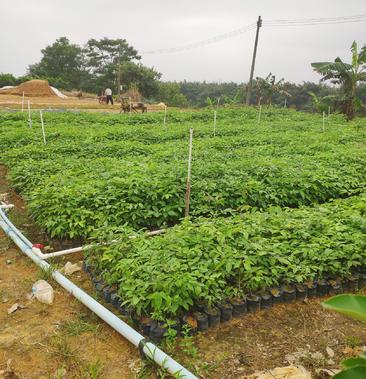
(165, 109)
(29, 115)
(323, 121)
(188, 186)
(23, 102)
(43, 132)
(218, 103)
(215, 117)
(130, 106)
(259, 114)
(328, 113)
(285, 106)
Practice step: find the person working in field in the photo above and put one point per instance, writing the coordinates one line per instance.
(108, 94)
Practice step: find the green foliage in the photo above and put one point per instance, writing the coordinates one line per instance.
(350, 305)
(353, 306)
(7, 80)
(269, 201)
(346, 75)
(62, 64)
(98, 170)
(170, 94)
(215, 259)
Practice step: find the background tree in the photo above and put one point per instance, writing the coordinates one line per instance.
(62, 64)
(7, 80)
(104, 53)
(170, 94)
(346, 75)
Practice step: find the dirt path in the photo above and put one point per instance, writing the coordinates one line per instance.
(66, 340)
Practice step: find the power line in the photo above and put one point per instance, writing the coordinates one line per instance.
(322, 20)
(205, 42)
(269, 23)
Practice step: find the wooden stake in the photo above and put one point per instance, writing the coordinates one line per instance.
(29, 115)
(165, 109)
(43, 131)
(23, 102)
(130, 107)
(188, 186)
(215, 116)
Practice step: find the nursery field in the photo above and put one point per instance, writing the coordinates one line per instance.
(274, 203)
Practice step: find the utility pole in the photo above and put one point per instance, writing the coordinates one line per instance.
(249, 91)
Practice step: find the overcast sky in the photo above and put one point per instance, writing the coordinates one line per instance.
(27, 26)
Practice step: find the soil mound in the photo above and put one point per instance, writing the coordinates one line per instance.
(34, 87)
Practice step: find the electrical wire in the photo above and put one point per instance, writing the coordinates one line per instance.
(269, 23)
(205, 42)
(317, 21)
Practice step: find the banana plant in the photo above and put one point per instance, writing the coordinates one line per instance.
(321, 104)
(346, 75)
(353, 306)
(270, 87)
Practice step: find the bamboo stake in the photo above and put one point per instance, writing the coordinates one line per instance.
(23, 102)
(328, 113)
(43, 131)
(259, 114)
(215, 117)
(188, 186)
(29, 115)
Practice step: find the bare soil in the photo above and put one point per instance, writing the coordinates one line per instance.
(8, 101)
(65, 340)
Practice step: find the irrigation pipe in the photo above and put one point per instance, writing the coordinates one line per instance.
(148, 349)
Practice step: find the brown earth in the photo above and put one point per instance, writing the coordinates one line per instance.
(31, 88)
(9, 101)
(65, 340)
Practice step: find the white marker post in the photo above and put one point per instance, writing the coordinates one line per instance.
(29, 115)
(285, 106)
(328, 113)
(23, 102)
(43, 131)
(130, 107)
(259, 114)
(165, 110)
(188, 186)
(215, 117)
(323, 122)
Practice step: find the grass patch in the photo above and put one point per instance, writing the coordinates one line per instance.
(79, 326)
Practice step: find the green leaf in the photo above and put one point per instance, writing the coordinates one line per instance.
(358, 372)
(353, 362)
(350, 305)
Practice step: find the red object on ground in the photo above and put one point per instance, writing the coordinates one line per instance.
(38, 246)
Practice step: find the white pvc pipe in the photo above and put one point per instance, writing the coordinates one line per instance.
(149, 349)
(41, 255)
